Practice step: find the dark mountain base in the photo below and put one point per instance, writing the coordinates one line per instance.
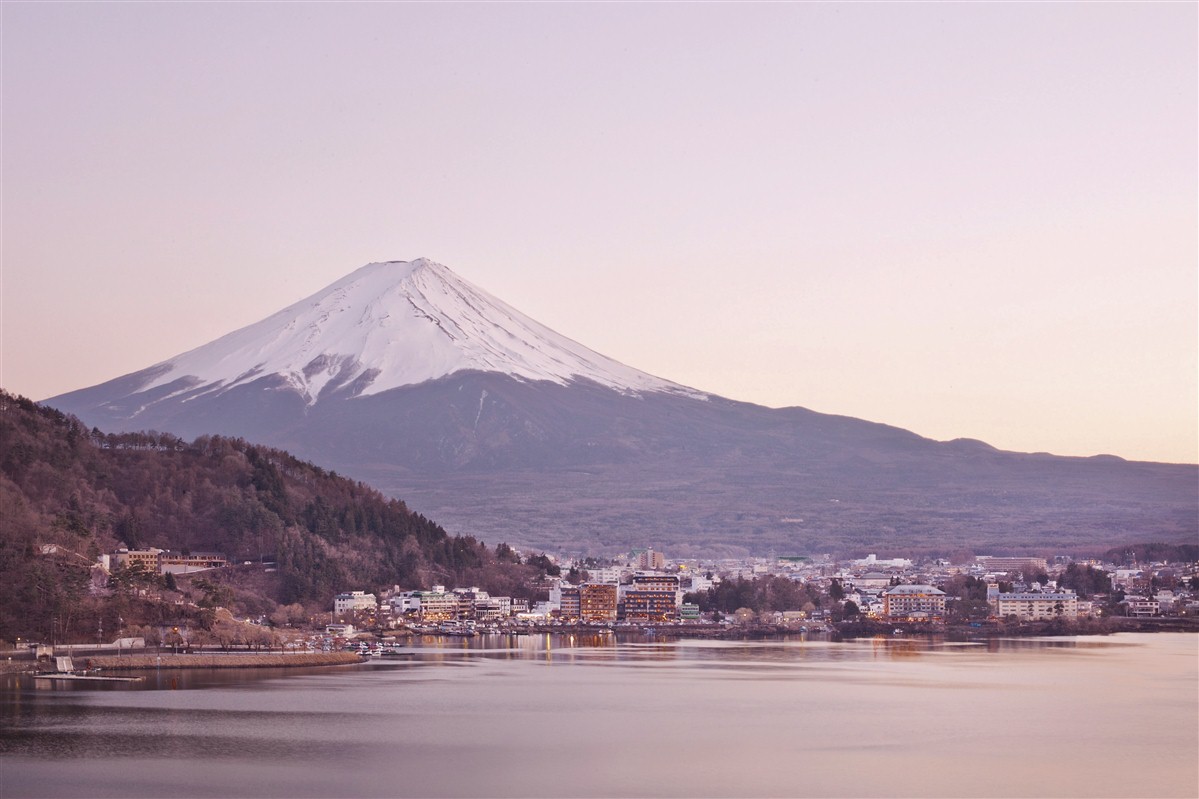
(711, 513)
(585, 468)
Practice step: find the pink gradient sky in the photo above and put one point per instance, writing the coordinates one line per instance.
(968, 220)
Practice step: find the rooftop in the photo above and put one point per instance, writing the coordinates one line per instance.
(914, 589)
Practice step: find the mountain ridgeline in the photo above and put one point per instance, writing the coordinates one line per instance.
(406, 376)
(69, 493)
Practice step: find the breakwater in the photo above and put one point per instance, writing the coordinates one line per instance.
(268, 660)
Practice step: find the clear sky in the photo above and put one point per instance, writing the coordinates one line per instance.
(968, 220)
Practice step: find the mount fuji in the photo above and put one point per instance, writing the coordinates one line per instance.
(406, 376)
(385, 326)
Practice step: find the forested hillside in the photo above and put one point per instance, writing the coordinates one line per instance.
(69, 493)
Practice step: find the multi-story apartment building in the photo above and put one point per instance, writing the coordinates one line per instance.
(468, 600)
(648, 605)
(570, 602)
(489, 609)
(437, 605)
(1037, 605)
(434, 605)
(650, 560)
(597, 602)
(913, 603)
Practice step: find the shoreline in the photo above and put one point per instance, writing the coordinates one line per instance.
(1025, 629)
(224, 660)
(171, 661)
(871, 627)
(841, 632)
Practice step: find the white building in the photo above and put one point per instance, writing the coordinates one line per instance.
(1141, 606)
(1167, 602)
(555, 598)
(1037, 605)
(607, 574)
(871, 561)
(914, 602)
(405, 602)
(434, 605)
(354, 600)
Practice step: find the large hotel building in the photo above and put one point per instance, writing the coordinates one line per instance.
(913, 603)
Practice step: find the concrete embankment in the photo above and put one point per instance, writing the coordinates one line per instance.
(270, 660)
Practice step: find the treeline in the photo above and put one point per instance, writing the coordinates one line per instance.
(767, 593)
(1085, 580)
(1152, 553)
(69, 493)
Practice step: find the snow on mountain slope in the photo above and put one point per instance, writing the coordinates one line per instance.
(396, 324)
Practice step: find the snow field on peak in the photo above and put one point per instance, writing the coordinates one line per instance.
(396, 324)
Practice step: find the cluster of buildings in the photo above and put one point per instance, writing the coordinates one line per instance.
(647, 597)
(643, 597)
(897, 590)
(435, 606)
(927, 603)
(163, 561)
(647, 588)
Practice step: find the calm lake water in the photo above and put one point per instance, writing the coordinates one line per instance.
(590, 717)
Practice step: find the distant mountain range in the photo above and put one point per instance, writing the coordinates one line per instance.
(408, 377)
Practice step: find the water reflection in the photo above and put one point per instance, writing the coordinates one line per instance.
(596, 715)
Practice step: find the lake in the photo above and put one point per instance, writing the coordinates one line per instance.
(587, 716)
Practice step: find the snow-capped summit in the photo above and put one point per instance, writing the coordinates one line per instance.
(393, 324)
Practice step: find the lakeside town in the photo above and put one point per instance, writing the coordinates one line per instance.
(647, 592)
(647, 589)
